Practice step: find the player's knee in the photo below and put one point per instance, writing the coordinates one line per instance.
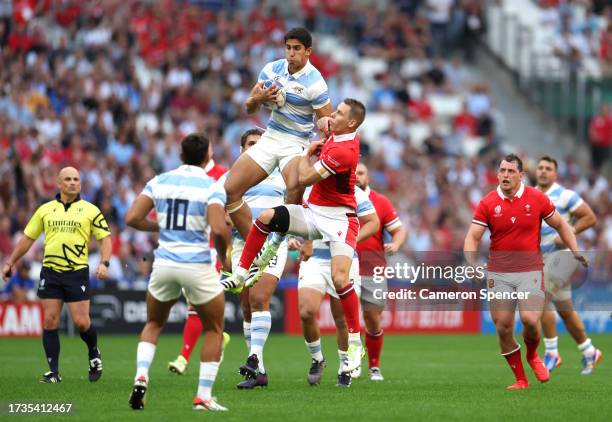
(530, 321)
(307, 313)
(82, 323)
(51, 322)
(275, 219)
(504, 329)
(340, 278)
(259, 301)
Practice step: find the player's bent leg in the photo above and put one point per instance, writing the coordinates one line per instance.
(502, 314)
(211, 314)
(244, 174)
(51, 343)
(590, 354)
(531, 335)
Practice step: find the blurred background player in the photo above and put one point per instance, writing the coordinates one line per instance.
(329, 214)
(559, 267)
(513, 213)
(67, 223)
(372, 254)
(289, 128)
(314, 281)
(193, 326)
(186, 207)
(19, 286)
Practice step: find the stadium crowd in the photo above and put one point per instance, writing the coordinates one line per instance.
(111, 87)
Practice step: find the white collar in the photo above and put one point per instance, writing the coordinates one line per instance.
(208, 167)
(518, 194)
(367, 191)
(345, 137)
(190, 168)
(299, 73)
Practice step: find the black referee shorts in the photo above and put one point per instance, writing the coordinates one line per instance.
(69, 286)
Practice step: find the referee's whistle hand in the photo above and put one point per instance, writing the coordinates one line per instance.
(102, 272)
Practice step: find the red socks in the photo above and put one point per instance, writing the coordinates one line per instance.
(532, 347)
(255, 240)
(191, 333)
(374, 345)
(516, 364)
(350, 306)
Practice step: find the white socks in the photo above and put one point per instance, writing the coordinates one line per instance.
(261, 322)
(208, 373)
(144, 356)
(552, 345)
(587, 349)
(315, 350)
(246, 329)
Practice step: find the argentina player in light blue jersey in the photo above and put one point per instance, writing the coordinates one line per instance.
(255, 301)
(289, 128)
(314, 281)
(559, 265)
(187, 208)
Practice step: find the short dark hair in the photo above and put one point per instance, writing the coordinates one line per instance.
(513, 158)
(358, 111)
(300, 34)
(250, 132)
(194, 149)
(550, 160)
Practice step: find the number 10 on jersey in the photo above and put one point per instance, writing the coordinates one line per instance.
(176, 214)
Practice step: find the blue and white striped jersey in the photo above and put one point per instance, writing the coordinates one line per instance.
(566, 201)
(305, 90)
(269, 193)
(181, 198)
(320, 249)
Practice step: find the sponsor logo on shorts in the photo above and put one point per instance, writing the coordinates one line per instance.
(491, 283)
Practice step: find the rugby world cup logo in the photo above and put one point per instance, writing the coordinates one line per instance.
(497, 211)
(528, 209)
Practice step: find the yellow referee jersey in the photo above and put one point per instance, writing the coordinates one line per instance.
(67, 228)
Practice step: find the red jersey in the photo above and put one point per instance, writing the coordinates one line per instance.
(339, 158)
(214, 170)
(372, 250)
(515, 228)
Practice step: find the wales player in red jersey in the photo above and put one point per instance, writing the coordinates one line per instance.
(514, 213)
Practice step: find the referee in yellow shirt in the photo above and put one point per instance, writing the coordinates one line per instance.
(67, 222)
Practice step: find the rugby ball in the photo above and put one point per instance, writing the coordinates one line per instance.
(281, 96)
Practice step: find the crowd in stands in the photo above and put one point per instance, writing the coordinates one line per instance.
(112, 86)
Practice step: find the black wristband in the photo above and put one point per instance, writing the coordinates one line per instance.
(105, 263)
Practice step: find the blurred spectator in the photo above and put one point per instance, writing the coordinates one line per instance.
(600, 134)
(20, 287)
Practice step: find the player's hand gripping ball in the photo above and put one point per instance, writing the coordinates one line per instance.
(281, 95)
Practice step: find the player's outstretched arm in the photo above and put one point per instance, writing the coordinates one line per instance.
(567, 236)
(136, 216)
(22, 247)
(368, 226)
(218, 229)
(471, 243)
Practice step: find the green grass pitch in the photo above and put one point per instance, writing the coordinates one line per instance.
(450, 377)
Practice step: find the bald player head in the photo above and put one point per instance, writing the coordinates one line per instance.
(69, 183)
(363, 181)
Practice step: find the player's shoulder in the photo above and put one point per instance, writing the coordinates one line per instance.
(531, 192)
(47, 206)
(490, 198)
(276, 66)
